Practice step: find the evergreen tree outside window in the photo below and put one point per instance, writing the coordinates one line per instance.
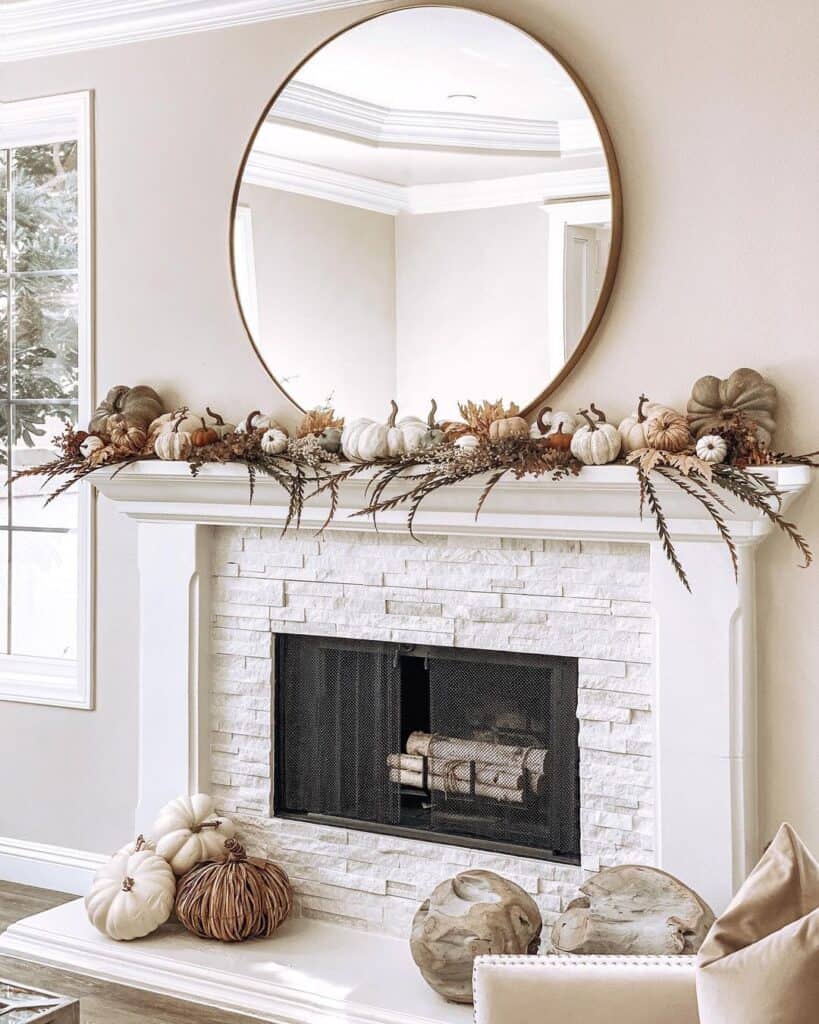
(44, 551)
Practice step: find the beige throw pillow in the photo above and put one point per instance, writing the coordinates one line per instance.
(759, 964)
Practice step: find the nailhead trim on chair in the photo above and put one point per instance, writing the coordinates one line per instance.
(681, 962)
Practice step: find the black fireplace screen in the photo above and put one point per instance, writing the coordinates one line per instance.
(473, 747)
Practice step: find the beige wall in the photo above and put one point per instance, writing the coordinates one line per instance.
(325, 278)
(713, 111)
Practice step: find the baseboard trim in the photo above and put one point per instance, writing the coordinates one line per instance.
(46, 866)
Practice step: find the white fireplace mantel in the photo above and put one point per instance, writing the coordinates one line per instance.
(704, 700)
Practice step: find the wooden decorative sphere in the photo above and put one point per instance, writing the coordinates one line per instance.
(475, 912)
(234, 899)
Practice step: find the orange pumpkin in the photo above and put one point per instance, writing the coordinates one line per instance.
(562, 442)
(203, 435)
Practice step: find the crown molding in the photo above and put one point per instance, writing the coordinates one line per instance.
(309, 105)
(39, 28)
(305, 179)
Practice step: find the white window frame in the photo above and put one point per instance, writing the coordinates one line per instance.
(52, 681)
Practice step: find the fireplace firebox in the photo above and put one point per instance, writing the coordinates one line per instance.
(475, 748)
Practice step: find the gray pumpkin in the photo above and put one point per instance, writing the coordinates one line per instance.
(330, 439)
(140, 406)
(434, 436)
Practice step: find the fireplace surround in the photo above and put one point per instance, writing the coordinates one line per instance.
(675, 719)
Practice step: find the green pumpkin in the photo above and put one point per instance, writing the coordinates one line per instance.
(330, 439)
(434, 435)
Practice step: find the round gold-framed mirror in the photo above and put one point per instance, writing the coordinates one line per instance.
(429, 206)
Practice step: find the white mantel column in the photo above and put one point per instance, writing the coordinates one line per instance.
(706, 718)
(174, 584)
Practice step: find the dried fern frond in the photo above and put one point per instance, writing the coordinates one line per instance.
(479, 417)
(317, 420)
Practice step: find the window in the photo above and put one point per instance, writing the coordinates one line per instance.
(45, 551)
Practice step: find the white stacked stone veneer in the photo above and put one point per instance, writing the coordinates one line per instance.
(573, 598)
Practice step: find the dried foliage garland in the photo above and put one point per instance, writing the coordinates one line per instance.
(235, 899)
(306, 469)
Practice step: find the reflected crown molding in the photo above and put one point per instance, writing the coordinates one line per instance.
(277, 172)
(37, 28)
(303, 104)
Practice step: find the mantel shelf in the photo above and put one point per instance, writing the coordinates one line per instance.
(600, 503)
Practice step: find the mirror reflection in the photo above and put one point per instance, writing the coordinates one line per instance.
(425, 210)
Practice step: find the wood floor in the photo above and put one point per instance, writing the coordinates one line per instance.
(101, 1002)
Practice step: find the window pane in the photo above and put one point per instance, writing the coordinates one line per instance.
(4, 177)
(4, 591)
(44, 594)
(45, 207)
(5, 285)
(45, 336)
(35, 427)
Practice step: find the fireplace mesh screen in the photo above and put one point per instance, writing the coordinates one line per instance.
(469, 746)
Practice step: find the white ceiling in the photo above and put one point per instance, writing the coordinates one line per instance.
(414, 59)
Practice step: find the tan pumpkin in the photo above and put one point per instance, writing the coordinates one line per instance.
(713, 401)
(174, 445)
(508, 426)
(127, 437)
(140, 406)
(598, 443)
(668, 432)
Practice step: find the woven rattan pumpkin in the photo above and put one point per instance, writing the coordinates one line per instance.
(234, 899)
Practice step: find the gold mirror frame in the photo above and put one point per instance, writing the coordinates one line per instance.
(611, 166)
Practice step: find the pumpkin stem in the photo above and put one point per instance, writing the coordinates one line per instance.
(541, 425)
(431, 418)
(559, 428)
(235, 850)
(585, 414)
(601, 416)
(206, 824)
(140, 842)
(180, 415)
(214, 416)
(641, 416)
(393, 414)
(127, 884)
(251, 417)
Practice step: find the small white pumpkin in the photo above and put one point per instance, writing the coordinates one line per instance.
(597, 443)
(188, 831)
(91, 444)
(140, 843)
(549, 419)
(221, 426)
(174, 445)
(466, 442)
(633, 428)
(712, 448)
(257, 420)
(131, 895)
(188, 422)
(366, 440)
(274, 441)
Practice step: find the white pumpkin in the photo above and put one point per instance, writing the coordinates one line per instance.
(188, 422)
(221, 426)
(173, 445)
(140, 843)
(596, 443)
(466, 442)
(366, 440)
(274, 441)
(91, 444)
(257, 420)
(712, 448)
(188, 831)
(633, 428)
(131, 895)
(549, 419)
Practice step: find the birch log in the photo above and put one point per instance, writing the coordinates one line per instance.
(531, 759)
(633, 910)
(457, 787)
(487, 774)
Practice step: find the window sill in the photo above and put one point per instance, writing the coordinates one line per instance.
(51, 681)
